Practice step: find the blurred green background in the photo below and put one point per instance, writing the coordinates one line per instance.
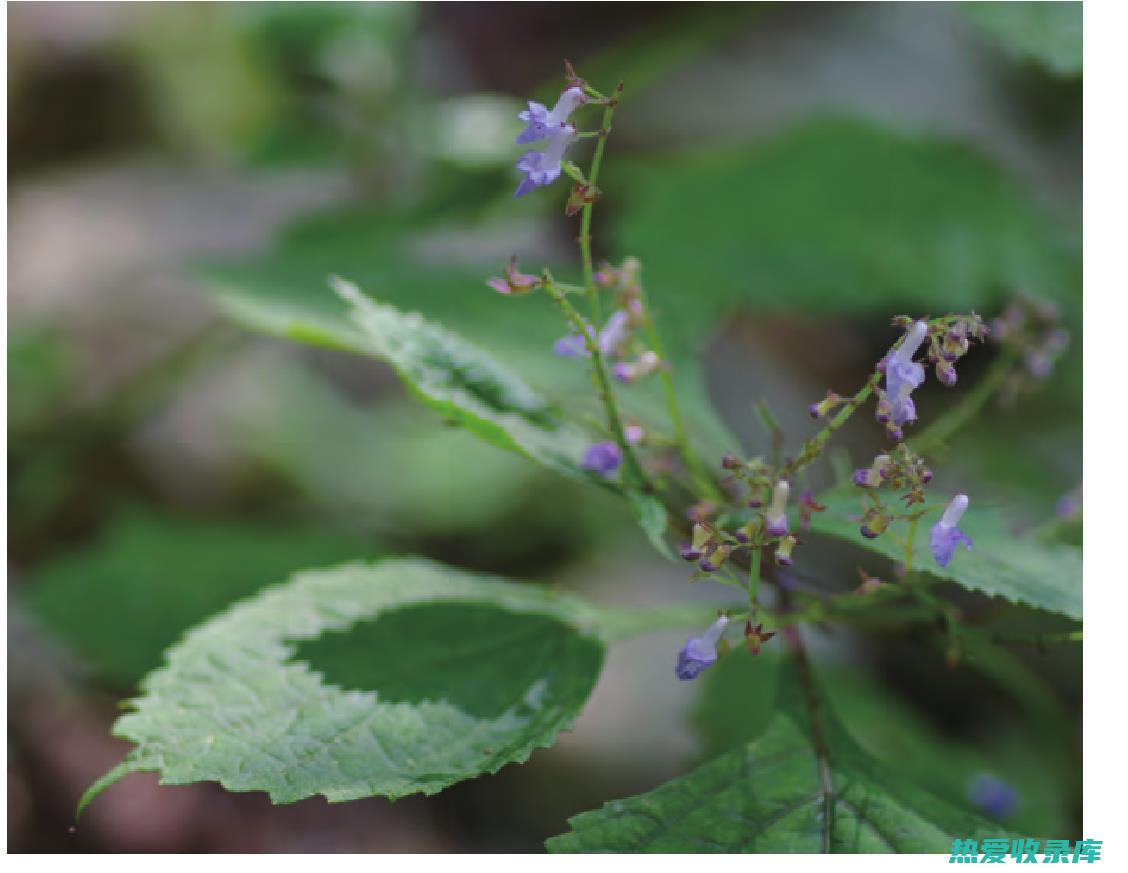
(790, 175)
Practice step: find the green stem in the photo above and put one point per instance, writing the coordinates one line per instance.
(909, 544)
(702, 481)
(602, 382)
(813, 447)
(754, 577)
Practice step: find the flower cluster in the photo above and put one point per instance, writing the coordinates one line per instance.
(544, 167)
(901, 469)
(715, 539)
(948, 338)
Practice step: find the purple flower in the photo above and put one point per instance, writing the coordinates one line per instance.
(602, 458)
(634, 434)
(541, 122)
(614, 333)
(945, 535)
(873, 477)
(992, 795)
(543, 168)
(776, 517)
(903, 375)
(646, 363)
(700, 653)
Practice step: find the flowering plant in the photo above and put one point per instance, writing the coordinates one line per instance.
(745, 524)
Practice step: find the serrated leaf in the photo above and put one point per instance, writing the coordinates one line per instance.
(768, 796)
(835, 216)
(1049, 34)
(465, 383)
(1018, 569)
(372, 679)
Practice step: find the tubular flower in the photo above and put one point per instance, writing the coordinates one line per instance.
(777, 513)
(945, 535)
(700, 653)
(873, 477)
(543, 168)
(542, 122)
(903, 375)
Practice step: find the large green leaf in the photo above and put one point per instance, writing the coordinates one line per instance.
(1046, 33)
(124, 598)
(1018, 569)
(779, 794)
(834, 216)
(386, 679)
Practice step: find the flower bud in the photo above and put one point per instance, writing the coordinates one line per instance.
(874, 524)
(776, 519)
(783, 550)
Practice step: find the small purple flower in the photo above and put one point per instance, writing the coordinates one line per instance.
(700, 653)
(873, 477)
(776, 517)
(903, 375)
(543, 168)
(514, 282)
(945, 535)
(541, 122)
(646, 363)
(992, 795)
(614, 333)
(602, 458)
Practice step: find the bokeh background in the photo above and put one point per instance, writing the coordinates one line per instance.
(791, 175)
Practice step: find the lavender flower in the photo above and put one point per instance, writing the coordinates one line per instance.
(945, 535)
(541, 122)
(602, 458)
(543, 168)
(630, 371)
(903, 375)
(992, 795)
(700, 653)
(777, 513)
(613, 335)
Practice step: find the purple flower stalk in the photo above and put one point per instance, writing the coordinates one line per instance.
(776, 517)
(903, 375)
(602, 458)
(700, 653)
(543, 168)
(542, 122)
(992, 795)
(945, 535)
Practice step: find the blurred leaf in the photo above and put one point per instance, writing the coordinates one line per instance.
(768, 796)
(834, 216)
(122, 600)
(459, 674)
(1047, 33)
(464, 383)
(731, 712)
(1021, 570)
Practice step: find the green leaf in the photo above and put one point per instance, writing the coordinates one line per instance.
(1049, 34)
(1018, 569)
(768, 796)
(124, 598)
(463, 382)
(652, 518)
(383, 679)
(835, 216)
